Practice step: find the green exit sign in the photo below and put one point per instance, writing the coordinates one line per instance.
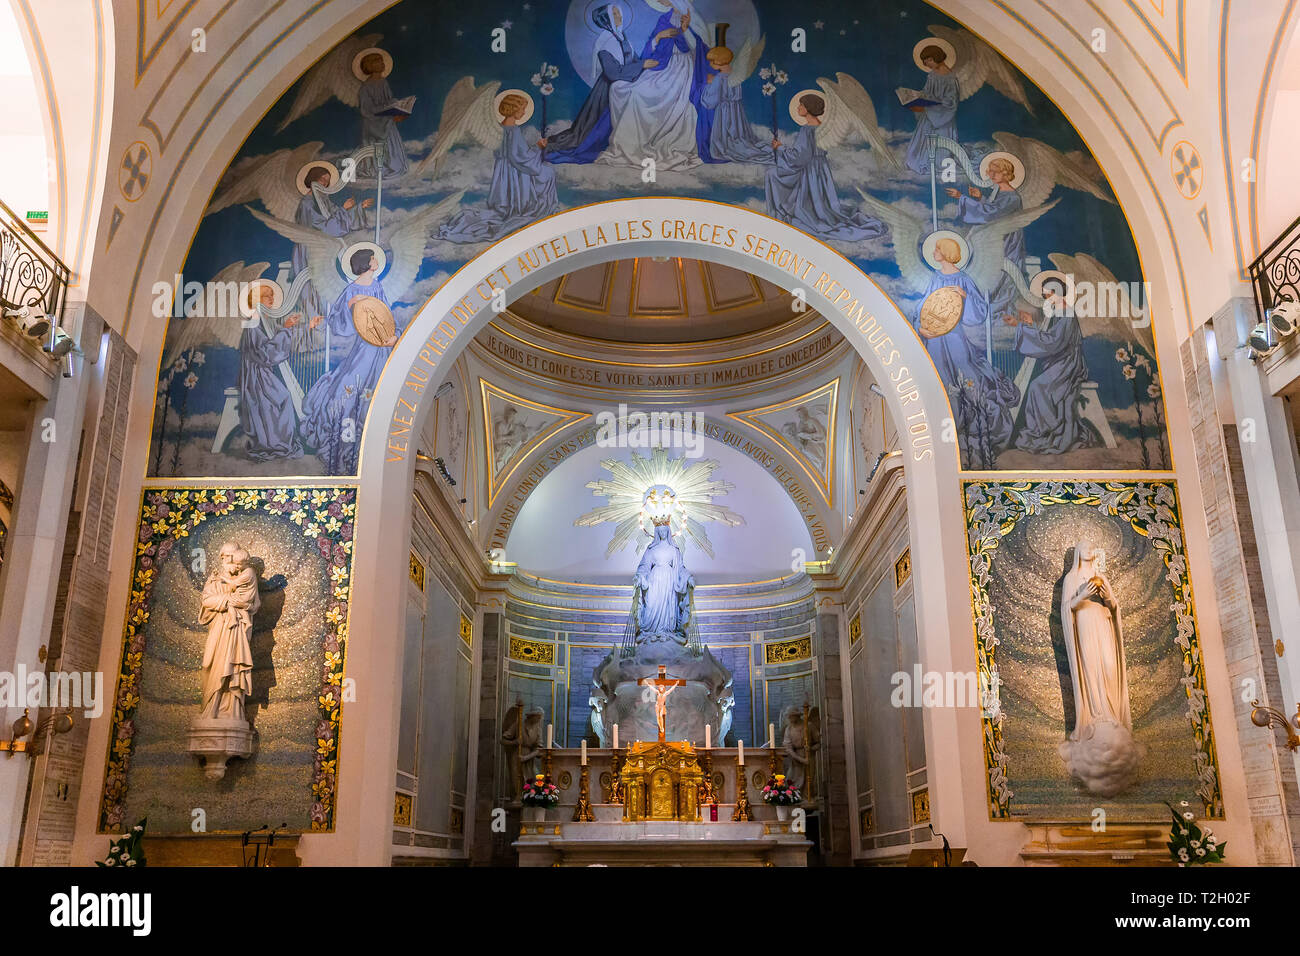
(38, 218)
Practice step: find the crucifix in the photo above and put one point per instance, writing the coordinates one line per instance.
(663, 686)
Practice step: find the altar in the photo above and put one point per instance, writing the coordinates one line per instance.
(629, 826)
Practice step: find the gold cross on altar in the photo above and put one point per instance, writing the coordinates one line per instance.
(663, 685)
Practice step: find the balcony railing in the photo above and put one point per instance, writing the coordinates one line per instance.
(33, 280)
(1276, 273)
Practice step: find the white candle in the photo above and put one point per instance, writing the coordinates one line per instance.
(741, 745)
(616, 736)
(550, 736)
(708, 736)
(584, 751)
(771, 735)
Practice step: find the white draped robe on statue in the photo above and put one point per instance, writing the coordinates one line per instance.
(228, 606)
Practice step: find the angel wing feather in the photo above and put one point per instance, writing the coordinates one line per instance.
(269, 178)
(202, 331)
(466, 113)
(978, 63)
(848, 109)
(742, 67)
(986, 244)
(905, 231)
(322, 253)
(1119, 327)
(1046, 168)
(332, 76)
(407, 243)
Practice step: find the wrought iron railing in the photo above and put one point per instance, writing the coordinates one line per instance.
(32, 277)
(1275, 275)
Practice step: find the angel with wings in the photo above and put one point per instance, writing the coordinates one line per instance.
(958, 65)
(342, 395)
(355, 73)
(523, 184)
(732, 138)
(984, 399)
(800, 188)
(1001, 199)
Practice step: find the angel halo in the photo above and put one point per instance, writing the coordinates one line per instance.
(345, 258)
(794, 104)
(361, 58)
(1016, 179)
(929, 242)
(249, 298)
(301, 179)
(528, 110)
(942, 44)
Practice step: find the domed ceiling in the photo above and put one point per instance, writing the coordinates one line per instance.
(656, 300)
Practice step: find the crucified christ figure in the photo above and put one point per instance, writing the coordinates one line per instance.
(663, 686)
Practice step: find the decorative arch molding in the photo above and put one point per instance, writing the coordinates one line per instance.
(824, 524)
(403, 399)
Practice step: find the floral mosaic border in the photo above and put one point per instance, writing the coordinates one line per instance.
(1151, 508)
(169, 514)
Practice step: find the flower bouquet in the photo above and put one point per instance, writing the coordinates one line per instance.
(539, 793)
(779, 792)
(126, 850)
(1190, 845)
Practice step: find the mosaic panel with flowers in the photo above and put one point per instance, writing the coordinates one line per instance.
(301, 542)
(1020, 538)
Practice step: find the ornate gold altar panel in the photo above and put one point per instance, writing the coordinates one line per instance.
(662, 782)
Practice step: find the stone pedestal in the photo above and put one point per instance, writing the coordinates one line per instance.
(217, 740)
(705, 699)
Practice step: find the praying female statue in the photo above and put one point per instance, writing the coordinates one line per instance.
(336, 405)
(801, 190)
(1099, 751)
(664, 580)
(522, 188)
(613, 61)
(939, 119)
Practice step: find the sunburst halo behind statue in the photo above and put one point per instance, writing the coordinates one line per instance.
(646, 491)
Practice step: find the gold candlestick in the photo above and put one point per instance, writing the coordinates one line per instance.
(546, 762)
(708, 776)
(616, 783)
(582, 812)
(742, 796)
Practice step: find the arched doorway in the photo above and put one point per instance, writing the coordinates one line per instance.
(728, 235)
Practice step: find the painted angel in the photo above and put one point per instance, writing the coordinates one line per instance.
(800, 188)
(523, 184)
(732, 138)
(263, 405)
(956, 69)
(984, 399)
(337, 403)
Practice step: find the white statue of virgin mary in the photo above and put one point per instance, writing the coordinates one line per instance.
(1100, 751)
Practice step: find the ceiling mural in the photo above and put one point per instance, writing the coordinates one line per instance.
(891, 133)
(805, 427)
(512, 427)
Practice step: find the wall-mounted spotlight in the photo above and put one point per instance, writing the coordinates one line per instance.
(60, 721)
(31, 319)
(1280, 322)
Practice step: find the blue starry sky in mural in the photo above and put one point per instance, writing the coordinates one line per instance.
(1040, 374)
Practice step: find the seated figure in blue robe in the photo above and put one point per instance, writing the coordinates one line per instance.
(336, 405)
(1053, 424)
(266, 412)
(375, 100)
(732, 138)
(801, 190)
(1002, 199)
(522, 189)
(318, 210)
(614, 61)
(939, 119)
(983, 398)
